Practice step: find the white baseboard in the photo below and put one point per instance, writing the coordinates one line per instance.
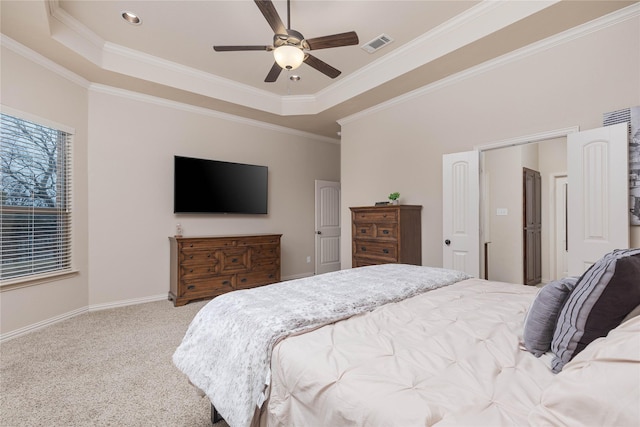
(94, 307)
(124, 303)
(39, 325)
(97, 307)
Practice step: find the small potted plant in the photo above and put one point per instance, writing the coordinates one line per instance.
(394, 198)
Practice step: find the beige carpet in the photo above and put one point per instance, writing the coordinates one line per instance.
(105, 368)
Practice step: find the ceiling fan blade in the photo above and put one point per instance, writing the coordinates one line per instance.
(273, 73)
(336, 40)
(271, 15)
(321, 66)
(238, 48)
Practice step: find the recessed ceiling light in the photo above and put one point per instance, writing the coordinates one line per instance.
(131, 18)
(294, 78)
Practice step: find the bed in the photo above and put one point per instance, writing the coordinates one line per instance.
(406, 345)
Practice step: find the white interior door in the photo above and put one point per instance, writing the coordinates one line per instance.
(598, 207)
(461, 212)
(327, 226)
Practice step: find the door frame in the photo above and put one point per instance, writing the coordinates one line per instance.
(510, 142)
(554, 255)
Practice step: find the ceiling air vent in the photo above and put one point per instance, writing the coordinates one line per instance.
(377, 43)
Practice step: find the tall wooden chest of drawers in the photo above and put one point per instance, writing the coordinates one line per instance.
(386, 234)
(204, 267)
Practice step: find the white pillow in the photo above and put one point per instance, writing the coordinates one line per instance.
(599, 387)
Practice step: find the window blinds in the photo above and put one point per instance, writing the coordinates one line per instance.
(35, 199)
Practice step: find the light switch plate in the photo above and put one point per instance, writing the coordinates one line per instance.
(502, 211)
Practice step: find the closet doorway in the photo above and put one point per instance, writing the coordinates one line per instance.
(520, 213)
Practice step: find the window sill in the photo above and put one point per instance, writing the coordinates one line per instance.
(23, 282)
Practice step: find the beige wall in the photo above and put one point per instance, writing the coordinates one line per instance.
(34, 90)
(131, 189)
(399, 147)
(504, 178)
(123, 189)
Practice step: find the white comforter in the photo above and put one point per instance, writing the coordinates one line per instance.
(226, 351)
(449, 356)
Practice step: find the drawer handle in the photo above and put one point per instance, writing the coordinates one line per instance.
(208, 255)
(385, 231)
(363, 230)
(234, 259)
(191, 287)
(271, 276)
(191, 257)
(386, 251)
(384, 216)
(208, 270)
(191, 245)
(243, 280)
(363, 248)
(191, 271)
(226, 282)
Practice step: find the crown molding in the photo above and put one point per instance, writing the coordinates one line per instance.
(35, 57)
(136, 96)
(485, 18)
(583, 30)
(46, 63)
(473, 24)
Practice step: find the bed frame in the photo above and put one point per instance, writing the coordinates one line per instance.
(215, 415)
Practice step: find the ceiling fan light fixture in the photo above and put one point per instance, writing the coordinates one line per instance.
(288, 57)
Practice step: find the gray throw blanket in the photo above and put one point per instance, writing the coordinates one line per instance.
(226, 351)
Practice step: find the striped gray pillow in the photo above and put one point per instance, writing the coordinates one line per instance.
(603, 296)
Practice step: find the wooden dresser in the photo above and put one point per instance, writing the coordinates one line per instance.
(204, 267)
(386, 234)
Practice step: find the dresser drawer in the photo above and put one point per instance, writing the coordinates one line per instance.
(373, 249)
(206, 287)
(250, 280)
(363, 230)
(265, 264)
(259, 240)
(197, 257)
(200, 244)
(234, 260)
(264, 251)
(197, 271)
(387, 230)
(375, 216)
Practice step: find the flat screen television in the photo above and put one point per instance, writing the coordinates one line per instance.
(212, 186)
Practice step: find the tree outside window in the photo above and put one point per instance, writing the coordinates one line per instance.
(35, 219)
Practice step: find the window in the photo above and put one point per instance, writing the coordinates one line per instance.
(35, 199)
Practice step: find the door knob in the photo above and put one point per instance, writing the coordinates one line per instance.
(318, 232)
(447, 242)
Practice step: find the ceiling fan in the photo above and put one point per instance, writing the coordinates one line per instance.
(289, 46)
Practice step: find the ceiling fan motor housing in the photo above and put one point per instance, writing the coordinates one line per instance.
(292, 38)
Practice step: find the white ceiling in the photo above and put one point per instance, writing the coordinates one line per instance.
(171, 56)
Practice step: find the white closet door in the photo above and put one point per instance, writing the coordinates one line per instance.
(461, 212)
(327, 243)
(598, 194)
